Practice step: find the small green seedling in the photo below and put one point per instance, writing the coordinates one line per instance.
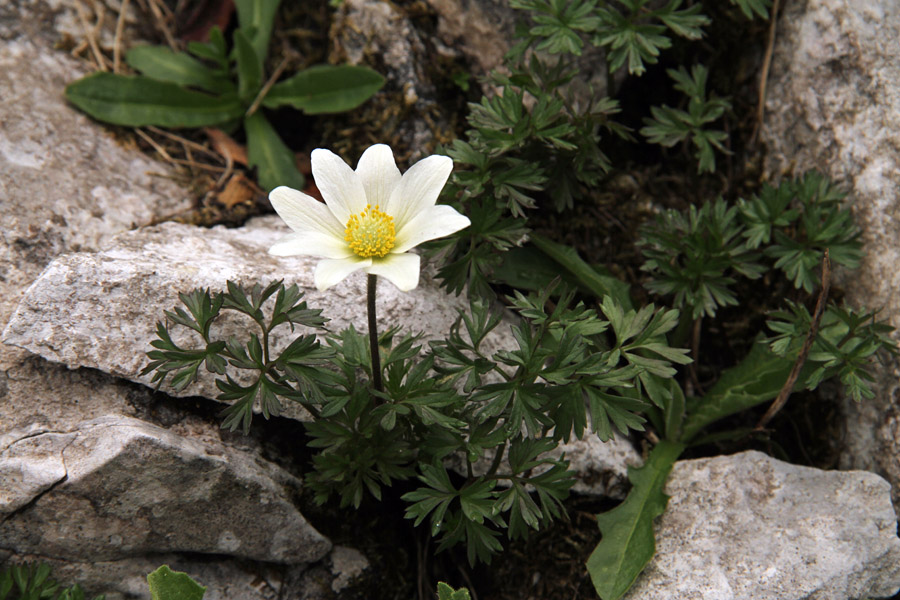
(212, 86)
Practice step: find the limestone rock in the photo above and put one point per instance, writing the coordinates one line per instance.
(749, 527)
(601, 468)
(833, 104)
(224, 578)
(55, 23)
(482, 29)
(406, 112)
(346, 565)
(65, 183)
(42, 409)
(100, 310)
(129, 487)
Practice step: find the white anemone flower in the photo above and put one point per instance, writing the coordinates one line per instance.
(371, 218)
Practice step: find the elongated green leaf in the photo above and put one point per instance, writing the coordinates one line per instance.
(257, 17)
(527, 268)
(326, 89)
(166, 584)
(249, 67)
(674, 411)
(273, 160)
(599, 284)
(628, 542)
(136, 101)
(159, 62)
(757, 379)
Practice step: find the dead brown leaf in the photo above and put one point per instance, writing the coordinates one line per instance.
(225, 145)
(238, 190)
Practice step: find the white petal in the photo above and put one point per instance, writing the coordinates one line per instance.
(418, 188)
(432, 223)
(304, 213)
(311, 243)
(340, 185)
(379, 174)
(330, 272)
(400, 269)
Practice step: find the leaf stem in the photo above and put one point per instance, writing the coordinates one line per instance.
(371, 283)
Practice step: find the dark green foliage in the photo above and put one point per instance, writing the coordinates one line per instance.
(632, 31)
(574, 370)
(845, 345)
(800, 236)
(558, 23)
(755, 380)
(292, 374)
(752, 8)
(670, 126)
(695, 256)
(31, 581)
(635, 33)
(516, 153)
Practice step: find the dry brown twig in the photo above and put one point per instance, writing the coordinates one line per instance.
(788, 386)
(764, 72)
(269, 83)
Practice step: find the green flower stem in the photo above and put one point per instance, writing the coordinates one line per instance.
(371, 282)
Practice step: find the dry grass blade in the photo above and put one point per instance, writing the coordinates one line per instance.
(162, 151)
(117, 42)
(186, 142)
(91, 32)
(157, 8)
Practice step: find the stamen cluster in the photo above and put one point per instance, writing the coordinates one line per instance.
(370, 233)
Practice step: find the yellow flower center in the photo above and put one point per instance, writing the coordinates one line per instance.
(370, 233)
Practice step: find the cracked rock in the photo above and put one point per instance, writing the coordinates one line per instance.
(100, 310)
(131, 487)
(749, 527)
(30, 464)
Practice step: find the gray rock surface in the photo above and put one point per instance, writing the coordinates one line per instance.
(749, 527)
(65, 183)
(100, 310)
(224, 578)
(125, 487)
(407, 111)
(481, 29)
(833, 104)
